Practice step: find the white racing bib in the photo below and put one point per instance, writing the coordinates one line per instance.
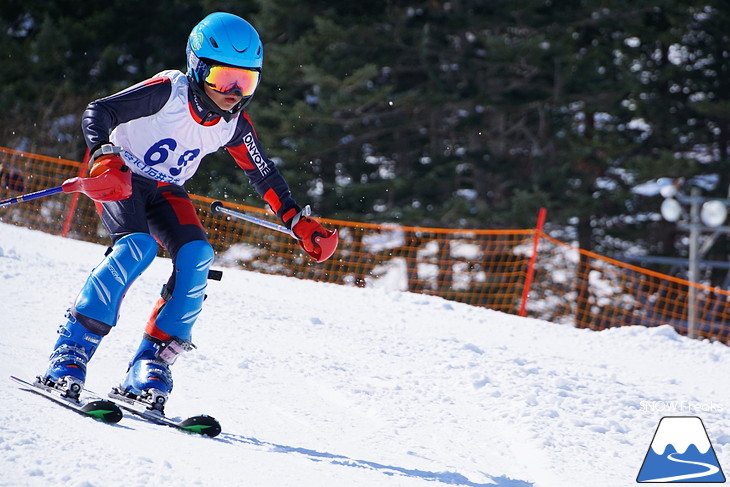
(169, 145)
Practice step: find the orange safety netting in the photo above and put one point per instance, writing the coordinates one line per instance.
(488, 268)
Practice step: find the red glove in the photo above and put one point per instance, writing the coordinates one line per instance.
(106, 163)
(318, 242)
(109, 179)
(305, 230)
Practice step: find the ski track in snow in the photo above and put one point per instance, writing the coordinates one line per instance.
(325, 385)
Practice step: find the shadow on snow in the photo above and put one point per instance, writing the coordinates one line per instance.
(449, 478)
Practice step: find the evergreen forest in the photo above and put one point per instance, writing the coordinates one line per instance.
(458, 114)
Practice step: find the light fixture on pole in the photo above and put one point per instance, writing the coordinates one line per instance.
(705, 216)
(713, 213)
(671, 210)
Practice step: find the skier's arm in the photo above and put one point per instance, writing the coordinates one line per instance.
(140, 100)
(261, 171)
(316, 241)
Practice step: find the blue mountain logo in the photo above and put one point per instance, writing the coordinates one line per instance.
(681, 452)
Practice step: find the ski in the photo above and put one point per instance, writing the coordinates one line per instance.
(97, 408)
(201, 424)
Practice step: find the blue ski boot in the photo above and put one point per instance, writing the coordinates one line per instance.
(149, 379)
(73, 350)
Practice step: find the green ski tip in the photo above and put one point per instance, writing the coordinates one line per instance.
(197, 429)
(201, 425)
(103, 410)
(99, 413)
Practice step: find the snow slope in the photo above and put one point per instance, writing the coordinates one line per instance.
(325, 385)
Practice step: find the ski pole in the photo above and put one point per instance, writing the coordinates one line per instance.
(31, 196)
(324, 245)
(108, 186)
(217, 208)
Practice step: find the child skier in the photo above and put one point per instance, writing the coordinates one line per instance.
(159, 131)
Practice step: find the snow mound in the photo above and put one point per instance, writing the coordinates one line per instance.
(325, 385)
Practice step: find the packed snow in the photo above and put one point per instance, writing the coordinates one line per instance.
(324, 385)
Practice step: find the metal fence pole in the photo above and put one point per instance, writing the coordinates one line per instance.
(694, 237)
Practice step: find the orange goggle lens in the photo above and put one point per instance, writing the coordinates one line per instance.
(224, 79)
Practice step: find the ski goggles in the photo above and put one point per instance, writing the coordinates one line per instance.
(226, 80)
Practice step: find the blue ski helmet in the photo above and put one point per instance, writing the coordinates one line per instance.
(222, 39)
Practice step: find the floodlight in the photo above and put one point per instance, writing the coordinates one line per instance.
(713, 213)
(671, 210)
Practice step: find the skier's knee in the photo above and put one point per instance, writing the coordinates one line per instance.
(196, 255)
(185, 302)
(101, 297)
